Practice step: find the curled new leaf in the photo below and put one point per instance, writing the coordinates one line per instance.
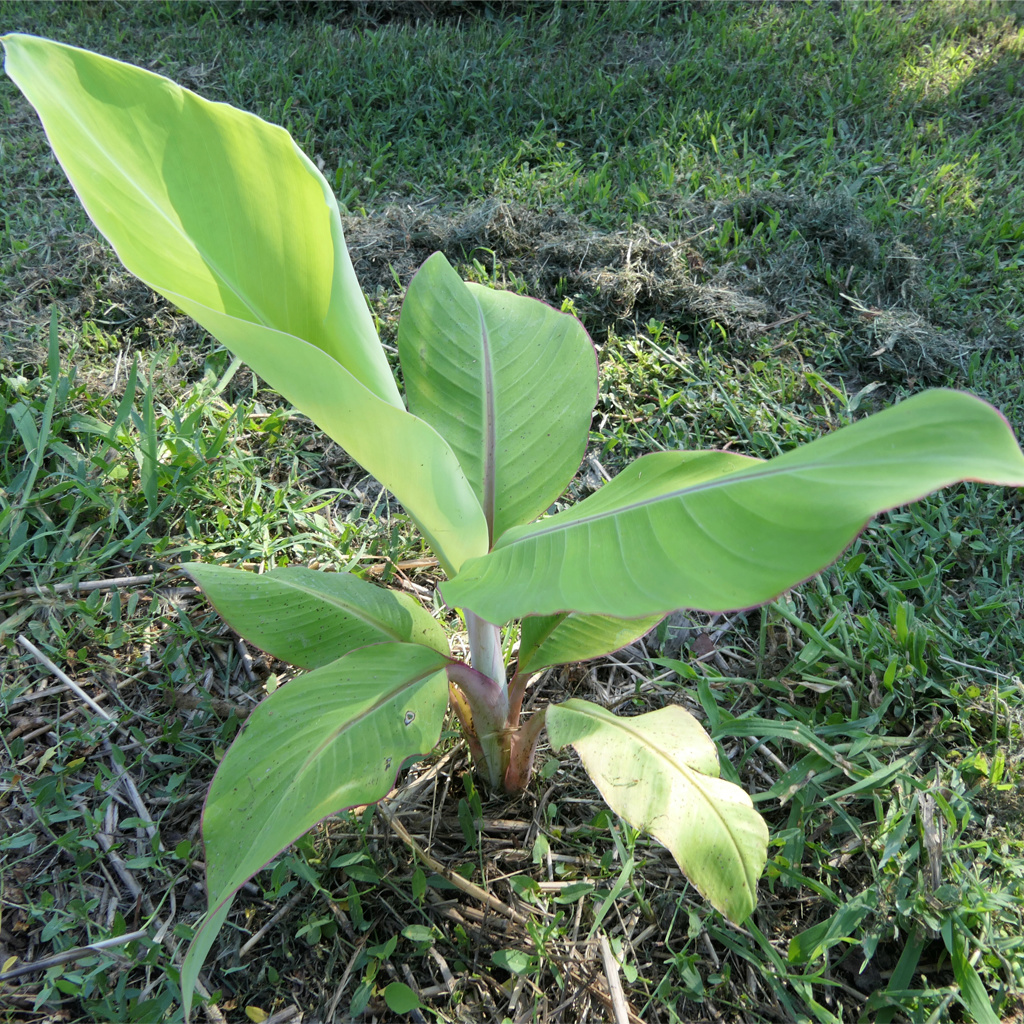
(509, 382)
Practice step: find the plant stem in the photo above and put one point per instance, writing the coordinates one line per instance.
(460, 705)
(481, 705)
(486, 693)
(485, 648)
(516, 693)
(523, 749)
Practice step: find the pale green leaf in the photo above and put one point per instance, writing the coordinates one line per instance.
(717, 531)
(203, 200)
(222, 214)
(402, 451)
(659, 772)
(508, 381)
(329, 739)
(311, 618)
(547, 640)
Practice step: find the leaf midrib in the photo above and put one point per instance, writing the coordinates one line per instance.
(490, 440)
(338, 603)
(349, 723)
(740, 476)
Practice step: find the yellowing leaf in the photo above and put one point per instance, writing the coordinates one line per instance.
(659, 771)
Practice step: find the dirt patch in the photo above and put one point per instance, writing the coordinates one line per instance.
(793, 256)
(789, 256)
(911, 343)
(612, 277)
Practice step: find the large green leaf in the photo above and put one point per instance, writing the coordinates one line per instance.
(659, 772)
(509, 382)
(202, 200)
(717, 531)
(329, 739)
(547, 640)
(223, 214)
(312, 618)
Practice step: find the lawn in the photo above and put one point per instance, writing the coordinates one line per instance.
(771, 219)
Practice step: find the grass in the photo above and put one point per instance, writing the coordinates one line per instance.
(771, 218)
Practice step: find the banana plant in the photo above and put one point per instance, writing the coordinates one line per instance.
(223, 215)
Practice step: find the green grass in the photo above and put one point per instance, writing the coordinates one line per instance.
(771, 218)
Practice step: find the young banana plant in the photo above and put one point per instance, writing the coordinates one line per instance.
(223, 215)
